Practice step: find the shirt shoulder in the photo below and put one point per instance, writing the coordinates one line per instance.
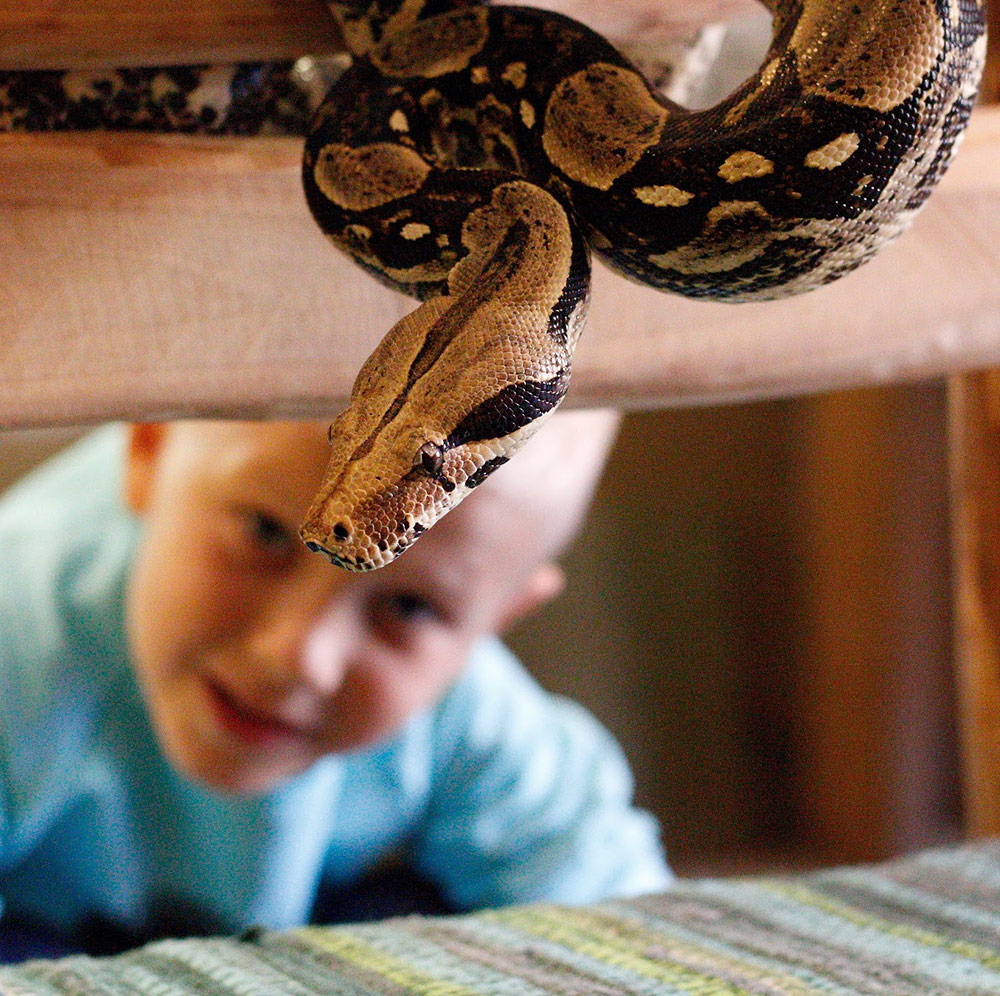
(66, 541)
(497, 704)
(531, 797)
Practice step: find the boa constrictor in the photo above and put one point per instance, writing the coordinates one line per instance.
(473, 156)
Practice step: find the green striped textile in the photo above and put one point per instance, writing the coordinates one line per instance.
(926, 925)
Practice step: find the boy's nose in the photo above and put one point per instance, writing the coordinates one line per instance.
(325, 652)
(302, 649)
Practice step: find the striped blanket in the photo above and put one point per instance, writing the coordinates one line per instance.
(927, 925)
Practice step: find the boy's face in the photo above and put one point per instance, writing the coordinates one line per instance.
(257, 657)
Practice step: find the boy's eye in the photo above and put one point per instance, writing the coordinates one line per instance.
(410, 607)
(270, 534)
(399, 615)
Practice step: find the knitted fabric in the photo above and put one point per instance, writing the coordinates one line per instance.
(926, 925)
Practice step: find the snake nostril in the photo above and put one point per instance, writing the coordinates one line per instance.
(341, 531)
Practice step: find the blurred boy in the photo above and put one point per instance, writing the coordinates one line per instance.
(203, 726)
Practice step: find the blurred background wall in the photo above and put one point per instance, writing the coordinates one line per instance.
(759, 608)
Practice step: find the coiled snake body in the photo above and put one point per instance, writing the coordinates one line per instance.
(473, 156)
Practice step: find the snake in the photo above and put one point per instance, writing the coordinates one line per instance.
(476, 157)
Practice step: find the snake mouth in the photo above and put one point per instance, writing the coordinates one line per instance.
(313, 547)
(337, 559)
(358, 564)
(385, 555)
(349, 563)
(369, 532)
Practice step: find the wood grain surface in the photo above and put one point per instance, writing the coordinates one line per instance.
(162, 275)
(975, 463)
(65, 34)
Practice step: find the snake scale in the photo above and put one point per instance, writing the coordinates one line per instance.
(473, 156)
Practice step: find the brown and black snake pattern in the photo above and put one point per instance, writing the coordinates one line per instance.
(474, 156)
(234, 99)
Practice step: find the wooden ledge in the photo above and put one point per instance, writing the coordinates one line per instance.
(76, 34)
(73, 34)
(167, 276)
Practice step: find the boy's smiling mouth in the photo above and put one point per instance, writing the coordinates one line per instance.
(247, 723)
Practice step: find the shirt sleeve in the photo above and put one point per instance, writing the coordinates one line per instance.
(63, 544)
(531, 798)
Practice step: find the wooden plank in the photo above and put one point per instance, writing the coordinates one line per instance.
(171, 276)
(70, 34)
(975, 455)
(975, 423)
(65, 34)
(162, 275)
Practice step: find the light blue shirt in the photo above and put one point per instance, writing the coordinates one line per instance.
(501, 793)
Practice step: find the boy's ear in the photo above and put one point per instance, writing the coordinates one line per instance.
(545, 584)
(142, 451)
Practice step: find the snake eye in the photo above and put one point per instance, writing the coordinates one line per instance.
(430, 456)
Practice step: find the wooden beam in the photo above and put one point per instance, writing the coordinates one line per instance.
(162, 275)
(975, 457)
(69, 34)
(872, 706)
(990, 88)
(975, 425)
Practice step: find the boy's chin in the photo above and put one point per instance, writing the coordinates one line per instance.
(229, 775)
(241, 781)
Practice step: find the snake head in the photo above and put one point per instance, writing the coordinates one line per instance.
(457, 386)
(427, 424)
(381, 493)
